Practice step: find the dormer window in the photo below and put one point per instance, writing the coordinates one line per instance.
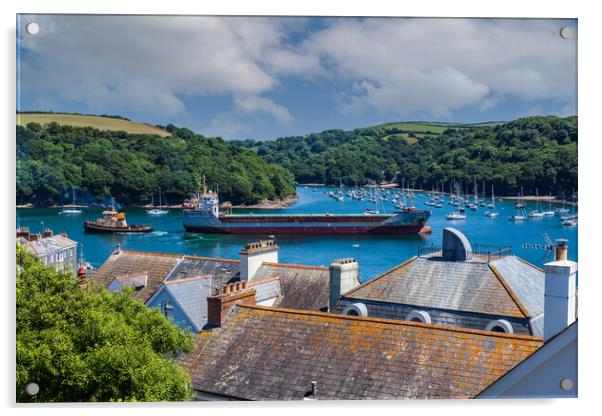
(167, 309)
(419, 316)
(356, 309)
(500, 325)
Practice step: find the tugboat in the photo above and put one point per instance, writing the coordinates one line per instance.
(114, 222)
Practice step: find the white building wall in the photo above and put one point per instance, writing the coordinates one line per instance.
(250, 263)
(544, 373)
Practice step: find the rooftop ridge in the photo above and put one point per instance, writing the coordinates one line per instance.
(176, 255)
(394, 322)
(509, 290)
(153, 253)
(295, 265)
(399, 266)
(211, 258)
(187, 279)
(263, 281)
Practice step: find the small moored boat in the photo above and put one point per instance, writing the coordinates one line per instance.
(455, 216)
(114, 222)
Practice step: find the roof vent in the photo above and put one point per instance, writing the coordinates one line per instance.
(456, 246)
(312, 394)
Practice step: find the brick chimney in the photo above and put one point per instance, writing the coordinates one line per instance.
(344, 276)
(48, 232)
(254, 255)
(23, 232)
(235, 293)
(560, 308)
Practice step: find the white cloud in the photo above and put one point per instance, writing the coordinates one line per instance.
(256, 104)
(440, 65)
(146, 63)
(152, 65)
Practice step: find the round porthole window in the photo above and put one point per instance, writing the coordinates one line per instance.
(419, 316)
(500, 325)
(356, 309)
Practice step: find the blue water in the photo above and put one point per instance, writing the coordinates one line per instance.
(376, 254)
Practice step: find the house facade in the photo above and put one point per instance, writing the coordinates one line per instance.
(54, 250)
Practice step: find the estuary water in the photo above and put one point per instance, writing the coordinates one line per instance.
(375, 254)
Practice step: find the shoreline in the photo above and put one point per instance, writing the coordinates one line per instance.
(528, 198)
(266, 204)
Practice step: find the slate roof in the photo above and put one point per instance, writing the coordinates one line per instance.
(273, 354)
(47, 245)
(191, 295)
(303, 287)
(193, 266)
(507, 287)
(525, 280)
(269, 288)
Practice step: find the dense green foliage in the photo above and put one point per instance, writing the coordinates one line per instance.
(86, 344)
(131, 167)
(535, 152)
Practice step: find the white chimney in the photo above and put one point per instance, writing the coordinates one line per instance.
(344, 276)
(560, 308)
(254, 255)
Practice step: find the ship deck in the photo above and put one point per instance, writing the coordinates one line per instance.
(325, 215)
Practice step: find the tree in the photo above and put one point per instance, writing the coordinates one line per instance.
(83, 343)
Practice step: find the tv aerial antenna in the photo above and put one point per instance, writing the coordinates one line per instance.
(548, 245)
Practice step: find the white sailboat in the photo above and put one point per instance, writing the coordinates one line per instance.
(520, 214)
(549, 212)
(493, 213)
(158, 211)
(73, 210)
(562, 210)
(536, 213)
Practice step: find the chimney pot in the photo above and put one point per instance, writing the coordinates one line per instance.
(237, 286)
(561, 249)
(244, 284)
(226, 289)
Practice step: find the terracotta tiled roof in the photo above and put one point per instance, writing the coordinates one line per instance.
(273, 354)
(502, 287)
(124, 262)
(303, 287)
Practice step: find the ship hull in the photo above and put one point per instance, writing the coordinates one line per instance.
(402, 223)
(90, 227)
(311, 230)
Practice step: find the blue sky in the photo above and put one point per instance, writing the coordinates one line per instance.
(261, 77)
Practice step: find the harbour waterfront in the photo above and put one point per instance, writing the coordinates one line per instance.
(375, 253)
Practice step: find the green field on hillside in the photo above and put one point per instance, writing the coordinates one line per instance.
(433, 127)
(100, 123)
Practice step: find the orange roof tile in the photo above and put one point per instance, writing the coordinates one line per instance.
(264, 353)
